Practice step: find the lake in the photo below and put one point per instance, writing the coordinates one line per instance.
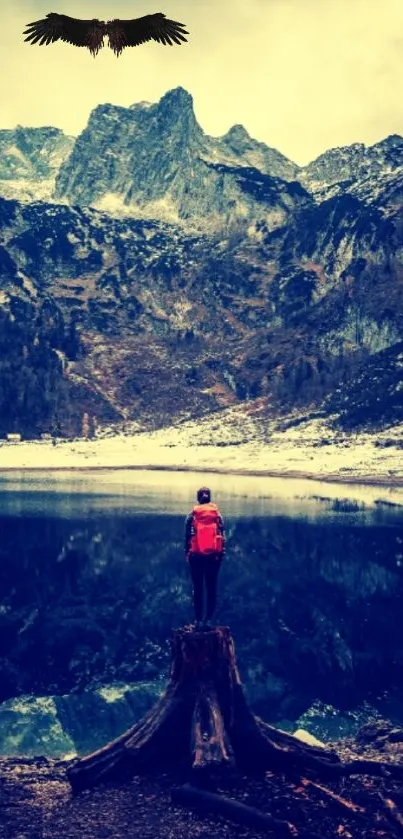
(93, 579)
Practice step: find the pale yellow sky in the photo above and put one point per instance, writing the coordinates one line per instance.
(301, 75)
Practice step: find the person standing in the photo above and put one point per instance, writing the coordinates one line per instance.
(204, 550)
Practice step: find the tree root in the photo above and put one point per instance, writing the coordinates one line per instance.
(210, 744)
(392, 813)
(203, 723)
(208, 802)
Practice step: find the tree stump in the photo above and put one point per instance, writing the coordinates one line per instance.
(203, 722)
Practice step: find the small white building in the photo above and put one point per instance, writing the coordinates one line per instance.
(14, 438)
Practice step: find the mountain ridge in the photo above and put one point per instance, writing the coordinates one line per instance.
(215, 283)
(338, 169)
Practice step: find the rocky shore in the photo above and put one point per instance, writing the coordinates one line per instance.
(36, 801)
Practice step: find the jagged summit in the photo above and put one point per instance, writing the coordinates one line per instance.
(176, 108)
(111, 106)
(174, 105)
(391, 141)
(358, 151)
(365, 171)
(390, 150)
(28, 131)
(154, 160)
(143, 104)
(237, 131)
(238, 139)
(257, 154)
(178, 96)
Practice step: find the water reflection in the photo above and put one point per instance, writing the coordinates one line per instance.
(92, 579)
(83, 492)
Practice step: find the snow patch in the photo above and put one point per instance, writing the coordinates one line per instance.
(113, 693)
(14, 151)
(28, 191)
(163, 209)
(73, 239)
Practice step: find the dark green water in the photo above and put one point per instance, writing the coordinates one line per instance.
(93, 578)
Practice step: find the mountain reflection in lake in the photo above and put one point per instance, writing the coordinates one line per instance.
(93, 578)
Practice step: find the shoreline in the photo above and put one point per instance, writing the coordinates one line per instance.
(231, 445)
(330, 477)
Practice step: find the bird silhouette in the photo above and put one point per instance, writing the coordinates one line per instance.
(91, 33)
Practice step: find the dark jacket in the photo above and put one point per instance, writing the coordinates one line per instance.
(189, 532)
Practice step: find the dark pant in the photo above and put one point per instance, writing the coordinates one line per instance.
(204, 569)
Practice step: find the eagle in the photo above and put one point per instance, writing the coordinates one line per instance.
(91, 33)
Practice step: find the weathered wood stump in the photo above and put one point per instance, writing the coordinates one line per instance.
(203, 721)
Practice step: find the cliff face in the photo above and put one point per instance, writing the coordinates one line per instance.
(169, 273)
(155, 161)
(30, 159)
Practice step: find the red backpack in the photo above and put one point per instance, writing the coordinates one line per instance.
(205, 537)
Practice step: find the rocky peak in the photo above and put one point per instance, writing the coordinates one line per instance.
(350, 166)
(156, 160)
(177, 98)
(174, 114)
(237, 135)
(32, 152)
(29, 161)
(142, 104)
(389, 151)
(338, 164)
(251, 152)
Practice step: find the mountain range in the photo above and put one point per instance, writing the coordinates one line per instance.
(150, 273)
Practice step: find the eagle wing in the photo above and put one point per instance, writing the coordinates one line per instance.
(55, 27)
(131, 33)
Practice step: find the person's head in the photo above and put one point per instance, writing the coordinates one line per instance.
(203, 495)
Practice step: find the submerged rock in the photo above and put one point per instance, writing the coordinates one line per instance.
(380, 733)
(64, 726)
(29, 725)
(308, 738)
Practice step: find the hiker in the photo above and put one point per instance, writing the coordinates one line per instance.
(204, 549)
